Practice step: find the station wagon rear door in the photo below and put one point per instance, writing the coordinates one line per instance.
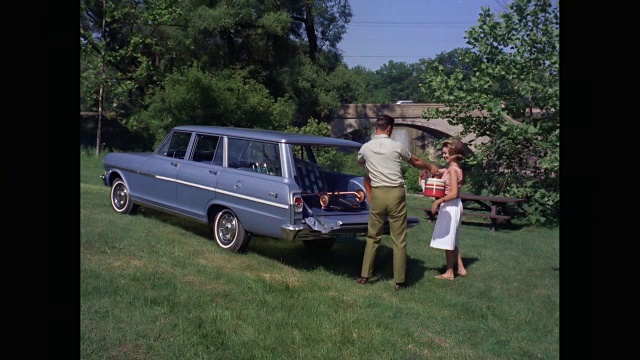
(198, 176)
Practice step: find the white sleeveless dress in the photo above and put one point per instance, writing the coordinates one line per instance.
(446, 232)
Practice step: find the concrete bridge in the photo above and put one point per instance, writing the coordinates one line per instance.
(419, 134)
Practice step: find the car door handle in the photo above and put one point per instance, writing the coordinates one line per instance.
(174, 163)
(214, 172)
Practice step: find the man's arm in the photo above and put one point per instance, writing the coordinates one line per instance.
(367, 187)
(367, 180)
(421, 164)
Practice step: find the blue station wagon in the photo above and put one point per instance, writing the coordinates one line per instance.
(245, 182)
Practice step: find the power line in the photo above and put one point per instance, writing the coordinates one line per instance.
(384, 56)
(408, 23)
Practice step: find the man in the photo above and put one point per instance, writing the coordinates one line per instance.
(382, 157)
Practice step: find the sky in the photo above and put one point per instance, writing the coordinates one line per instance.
(408, 30)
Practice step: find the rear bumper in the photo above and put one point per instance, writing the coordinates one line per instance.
(304, 232)
(307, 232)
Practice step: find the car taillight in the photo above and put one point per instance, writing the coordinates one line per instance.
(297, 204)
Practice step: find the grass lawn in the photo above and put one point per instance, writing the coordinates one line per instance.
(153, 286)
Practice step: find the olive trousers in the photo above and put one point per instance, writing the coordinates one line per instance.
(387, 202)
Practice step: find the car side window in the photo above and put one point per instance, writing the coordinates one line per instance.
(218, 159)
(257, 156)
(176, 147)
(205, 148)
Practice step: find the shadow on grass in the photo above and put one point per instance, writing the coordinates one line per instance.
(466, 261)
(343, 259)
(487, 225)
(197, 228)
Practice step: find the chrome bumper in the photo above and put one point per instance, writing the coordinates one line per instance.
(306, 232)
(313, 230)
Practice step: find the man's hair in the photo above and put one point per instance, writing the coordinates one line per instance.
(456, 147)
(384, 121)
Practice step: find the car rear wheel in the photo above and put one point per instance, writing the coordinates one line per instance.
(120, 200)
(229, 233)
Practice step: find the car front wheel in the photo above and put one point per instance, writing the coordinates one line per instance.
(120, 200)
(229, 232)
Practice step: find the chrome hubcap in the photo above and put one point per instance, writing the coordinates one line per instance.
(120, 197)
(227, 229)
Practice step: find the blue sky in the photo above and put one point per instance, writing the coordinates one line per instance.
(408, 30)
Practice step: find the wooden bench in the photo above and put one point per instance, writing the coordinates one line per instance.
(492, 207)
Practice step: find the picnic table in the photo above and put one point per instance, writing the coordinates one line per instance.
(493, 207)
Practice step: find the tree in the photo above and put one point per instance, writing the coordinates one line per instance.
(325, 22)
(399, 81)
(330, 158)
(226, 98)
(512, 98)
(393, 81)
(264, 42)
(344, 86)
(366, 77)
(455, 60)
(120, 37)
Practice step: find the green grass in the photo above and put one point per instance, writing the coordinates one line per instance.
(156, 287)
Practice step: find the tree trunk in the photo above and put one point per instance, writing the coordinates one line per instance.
(98, 132)
(311, 31)
(101, 96)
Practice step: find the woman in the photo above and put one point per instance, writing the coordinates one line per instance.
(446, 233)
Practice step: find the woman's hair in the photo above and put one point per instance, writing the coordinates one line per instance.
(456, 147)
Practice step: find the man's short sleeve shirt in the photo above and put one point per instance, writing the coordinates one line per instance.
(384, 157)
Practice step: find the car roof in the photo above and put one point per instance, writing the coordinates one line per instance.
(270, 135)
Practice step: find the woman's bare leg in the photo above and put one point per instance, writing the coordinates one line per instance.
(451, 259)
(461, 270)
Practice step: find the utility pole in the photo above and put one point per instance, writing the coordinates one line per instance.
(101, 95)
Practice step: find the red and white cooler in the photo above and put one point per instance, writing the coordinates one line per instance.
(434, 187)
